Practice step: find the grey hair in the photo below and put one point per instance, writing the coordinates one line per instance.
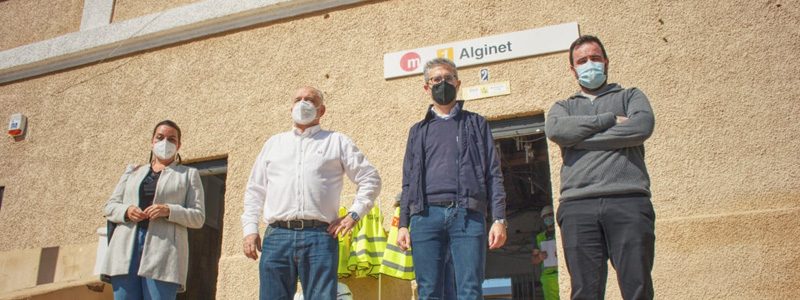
(315, 91)
(438, 62)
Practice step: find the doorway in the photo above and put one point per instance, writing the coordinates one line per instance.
(205, 244)
(524, 159)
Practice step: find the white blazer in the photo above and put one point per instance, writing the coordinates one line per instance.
(165, 255)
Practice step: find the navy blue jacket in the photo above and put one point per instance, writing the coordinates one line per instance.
(480, 180)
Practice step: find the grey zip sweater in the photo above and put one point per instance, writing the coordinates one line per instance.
(602, 158)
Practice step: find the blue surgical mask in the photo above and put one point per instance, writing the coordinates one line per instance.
(548, 221)
(591, 74)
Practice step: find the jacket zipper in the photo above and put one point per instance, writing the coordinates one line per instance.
(458, 161)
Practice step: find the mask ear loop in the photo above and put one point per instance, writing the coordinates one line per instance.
(150, 161)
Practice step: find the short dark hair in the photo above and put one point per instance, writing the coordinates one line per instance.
(583, 40)
(170, 124)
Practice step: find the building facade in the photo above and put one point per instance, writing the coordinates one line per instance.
(93, 77)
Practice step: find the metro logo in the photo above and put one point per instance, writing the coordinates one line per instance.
(410, 61)
(446, 53)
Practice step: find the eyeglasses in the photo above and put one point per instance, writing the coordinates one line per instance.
(438, 79)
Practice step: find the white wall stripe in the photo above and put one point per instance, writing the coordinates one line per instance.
(150, 31)
(96, 13)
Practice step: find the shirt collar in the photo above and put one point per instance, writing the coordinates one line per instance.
(306, 133)
(611, 87)
(453, 111)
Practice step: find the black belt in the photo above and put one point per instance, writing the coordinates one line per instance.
(449, 203)
(631, 195)
(299, 224)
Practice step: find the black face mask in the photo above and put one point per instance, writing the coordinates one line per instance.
(443, 92)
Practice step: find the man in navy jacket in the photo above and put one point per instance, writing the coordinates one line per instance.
(451, 180)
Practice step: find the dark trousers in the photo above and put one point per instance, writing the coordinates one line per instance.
(598, 229)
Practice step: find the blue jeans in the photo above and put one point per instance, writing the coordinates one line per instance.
(310, 253)
(449, 280)
(134, 287)
(437, 232)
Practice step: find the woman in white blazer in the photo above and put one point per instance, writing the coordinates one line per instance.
(152, 205)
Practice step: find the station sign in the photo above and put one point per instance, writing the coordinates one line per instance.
(483, 50)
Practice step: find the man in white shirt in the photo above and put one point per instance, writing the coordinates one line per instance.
(295, 183)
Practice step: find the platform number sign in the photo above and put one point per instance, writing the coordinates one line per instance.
(484, 75)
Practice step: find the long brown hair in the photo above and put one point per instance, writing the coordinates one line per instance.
(169, 123)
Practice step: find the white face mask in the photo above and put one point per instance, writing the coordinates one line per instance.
(304, 112)
(164, 150)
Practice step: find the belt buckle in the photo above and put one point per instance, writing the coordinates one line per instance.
(289, 224)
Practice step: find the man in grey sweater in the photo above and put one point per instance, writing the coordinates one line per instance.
(605, 210)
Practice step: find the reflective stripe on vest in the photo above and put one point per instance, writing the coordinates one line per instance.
(367, 247)
(396, 263)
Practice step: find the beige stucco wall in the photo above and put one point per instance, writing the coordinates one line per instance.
(129, 9)
(20, 270)
(29, 21)
(25, 265)
(720, 77)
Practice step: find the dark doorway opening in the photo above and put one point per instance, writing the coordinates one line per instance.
(522, 146)
(205, 244)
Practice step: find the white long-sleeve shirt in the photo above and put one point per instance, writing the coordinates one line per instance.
(298, 176)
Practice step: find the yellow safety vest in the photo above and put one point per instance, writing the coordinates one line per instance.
(366, 250)
(549, 277)
(397, 263)
(344, 249)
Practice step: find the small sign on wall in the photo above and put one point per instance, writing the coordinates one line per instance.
(486, 90)
(484, 75)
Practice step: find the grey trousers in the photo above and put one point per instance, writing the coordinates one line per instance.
(595, 230)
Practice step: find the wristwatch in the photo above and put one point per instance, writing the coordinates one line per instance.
(354, 215)
(501, 221)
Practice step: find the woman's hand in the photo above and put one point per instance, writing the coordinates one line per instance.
(156, 211)
(135, 214)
